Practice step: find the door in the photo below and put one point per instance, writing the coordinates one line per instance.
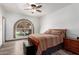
(3, 30)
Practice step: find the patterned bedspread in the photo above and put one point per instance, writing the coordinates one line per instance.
(44, 41)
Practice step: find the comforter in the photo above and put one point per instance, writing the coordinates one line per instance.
(44, 41)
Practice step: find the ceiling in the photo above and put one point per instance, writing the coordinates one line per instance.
(46, 8)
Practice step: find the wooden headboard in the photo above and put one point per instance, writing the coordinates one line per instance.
(63, 31)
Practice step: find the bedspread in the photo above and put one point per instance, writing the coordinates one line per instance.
(44, 41)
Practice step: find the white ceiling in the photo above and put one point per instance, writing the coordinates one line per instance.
(46, 8)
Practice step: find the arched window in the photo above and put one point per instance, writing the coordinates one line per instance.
(23, 28)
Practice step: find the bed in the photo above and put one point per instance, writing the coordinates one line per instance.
(50, 38)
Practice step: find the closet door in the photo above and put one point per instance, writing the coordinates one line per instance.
(3, 30)
(0, 31)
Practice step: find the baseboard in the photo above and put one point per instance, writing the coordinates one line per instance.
(14, 40)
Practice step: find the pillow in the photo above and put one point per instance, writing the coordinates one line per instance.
(47, 32)
(56, 32)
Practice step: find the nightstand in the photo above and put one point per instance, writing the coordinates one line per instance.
(29, 49)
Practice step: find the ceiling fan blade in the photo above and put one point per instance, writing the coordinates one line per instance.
(33, 5)
(39, 10)
(39, 6)
(27, 9)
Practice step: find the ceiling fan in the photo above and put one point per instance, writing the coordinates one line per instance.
(33, 7)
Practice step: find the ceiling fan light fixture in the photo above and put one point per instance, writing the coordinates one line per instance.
(34, 8)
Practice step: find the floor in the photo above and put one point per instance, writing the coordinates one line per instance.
(16, 48)
(13, 48)
(63, 52)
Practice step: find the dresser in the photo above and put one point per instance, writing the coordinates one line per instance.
(71, 45)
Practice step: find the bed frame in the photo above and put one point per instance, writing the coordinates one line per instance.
(49, 51)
